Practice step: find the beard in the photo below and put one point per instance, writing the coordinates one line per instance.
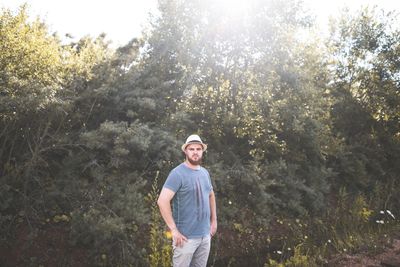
(194, 162)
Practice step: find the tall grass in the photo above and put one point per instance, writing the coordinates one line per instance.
(160, 240)
(352, 223)
(349, 226)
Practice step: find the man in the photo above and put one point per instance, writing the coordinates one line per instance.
(194, 217)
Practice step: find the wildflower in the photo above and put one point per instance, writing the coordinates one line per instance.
(365, 214)
(329, 241)
(230, 202)
(279, 252)
(305, 237)
(391, 214)
(380, 221)
(344, 250)
(168, 234)
(289, 249)
(382, 212)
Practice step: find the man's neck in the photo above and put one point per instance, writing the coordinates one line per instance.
(191, 166)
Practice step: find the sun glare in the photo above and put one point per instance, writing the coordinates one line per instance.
(233, 7)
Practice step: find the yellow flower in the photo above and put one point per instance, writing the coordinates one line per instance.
(168, 234)
(365, 214)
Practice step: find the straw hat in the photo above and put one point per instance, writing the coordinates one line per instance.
(194, 139)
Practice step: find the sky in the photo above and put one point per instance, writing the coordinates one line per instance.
(123, 20)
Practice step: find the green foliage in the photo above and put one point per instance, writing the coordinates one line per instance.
(114, 167)
(297, 260)
(348, 226)
(160, 240)
(304, 136)
(365, 82)
(30, 65)
(31, 70)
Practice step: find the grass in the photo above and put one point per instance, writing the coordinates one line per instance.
(350, 227)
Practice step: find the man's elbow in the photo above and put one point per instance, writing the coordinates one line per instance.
(164, 198)
(159, 202)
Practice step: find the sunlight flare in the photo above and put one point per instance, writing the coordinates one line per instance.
(233, 8)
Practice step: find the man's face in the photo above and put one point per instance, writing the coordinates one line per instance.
(194, 153)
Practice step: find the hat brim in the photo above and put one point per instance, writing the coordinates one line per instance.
(202, 144)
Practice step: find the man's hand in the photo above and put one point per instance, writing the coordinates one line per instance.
(178, 237)
(213, 229)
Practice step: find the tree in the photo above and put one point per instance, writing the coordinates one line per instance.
(31, 68)
(365, 87)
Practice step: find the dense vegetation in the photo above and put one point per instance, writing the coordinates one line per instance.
(304, 134)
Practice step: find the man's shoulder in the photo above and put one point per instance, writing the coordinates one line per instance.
(174, 179)
(204, 170)
(177, 170)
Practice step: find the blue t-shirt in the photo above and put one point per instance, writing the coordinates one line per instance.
(191, 202)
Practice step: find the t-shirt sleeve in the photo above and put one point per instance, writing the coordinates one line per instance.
(210, 184)
(173, 181)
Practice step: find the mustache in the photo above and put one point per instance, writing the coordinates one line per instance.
(194, 162)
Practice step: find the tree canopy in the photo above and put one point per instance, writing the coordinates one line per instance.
(295, 125)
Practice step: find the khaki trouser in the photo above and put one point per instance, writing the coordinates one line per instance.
(193, 253)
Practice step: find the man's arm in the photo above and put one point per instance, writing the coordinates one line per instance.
(213, 209)
(164, 203)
